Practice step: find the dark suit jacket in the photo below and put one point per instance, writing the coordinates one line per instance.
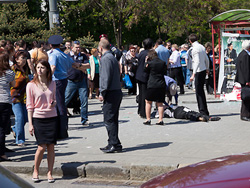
(243, 68)
(156, 70)
(140, 74)
(232, 55)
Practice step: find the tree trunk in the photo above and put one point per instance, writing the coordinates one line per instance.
(119, 43)
(115, 31)
(159, 26)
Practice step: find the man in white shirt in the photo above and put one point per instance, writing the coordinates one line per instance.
(200, 69)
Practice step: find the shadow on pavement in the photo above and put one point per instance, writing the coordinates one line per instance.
(92, 125)
(128, 107)
(231, 114)
(148, 146)
(180, 122)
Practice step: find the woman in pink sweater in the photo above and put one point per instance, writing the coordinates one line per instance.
(42, 116)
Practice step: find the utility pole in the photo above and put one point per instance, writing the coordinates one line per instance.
(53, 14)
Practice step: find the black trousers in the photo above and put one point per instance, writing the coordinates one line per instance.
(111, 105)
(5, 111)
(61, 109)
(210, 83)
(200, 94)
(245, 107)
(133, 89)
(176, 73)
(142, 96)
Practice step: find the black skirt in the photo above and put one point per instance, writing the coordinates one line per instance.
(155, 94)
(96, 80)
(45, 130)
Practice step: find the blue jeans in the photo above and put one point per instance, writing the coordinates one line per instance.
(184, 71)
(82, 88)
(188, 77)
(21, 118)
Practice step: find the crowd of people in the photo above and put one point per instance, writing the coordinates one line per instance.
(38, 85)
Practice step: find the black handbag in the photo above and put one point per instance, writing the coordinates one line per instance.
(245, 93)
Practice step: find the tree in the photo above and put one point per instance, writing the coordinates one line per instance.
(88, 42)
(15, 24)
(116, 11)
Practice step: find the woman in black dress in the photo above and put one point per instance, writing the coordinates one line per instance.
(156, 85)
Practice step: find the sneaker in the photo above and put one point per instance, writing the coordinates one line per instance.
(85, 124)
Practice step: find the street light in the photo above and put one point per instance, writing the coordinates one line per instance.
(13, 1)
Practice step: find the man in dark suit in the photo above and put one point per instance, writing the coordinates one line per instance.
(243, 77)
(111, 95)
(230, 54)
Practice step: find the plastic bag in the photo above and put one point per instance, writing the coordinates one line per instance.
(127, 82)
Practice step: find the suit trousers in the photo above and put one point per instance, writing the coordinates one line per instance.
(245, 107)
(176, 73)
(61, 109)
(111, 105)
(142, 96)
(200, 78)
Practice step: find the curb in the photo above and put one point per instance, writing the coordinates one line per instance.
(99, 171)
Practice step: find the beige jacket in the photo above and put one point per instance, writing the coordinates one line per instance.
(92, 66)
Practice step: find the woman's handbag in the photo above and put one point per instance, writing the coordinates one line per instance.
(127, 82)
(245, 93)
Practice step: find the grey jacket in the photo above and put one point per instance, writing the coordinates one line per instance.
(109, 73)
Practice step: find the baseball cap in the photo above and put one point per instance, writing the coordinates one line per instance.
(103, 35)
(55, 39)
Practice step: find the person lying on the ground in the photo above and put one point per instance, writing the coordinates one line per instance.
(183, 112)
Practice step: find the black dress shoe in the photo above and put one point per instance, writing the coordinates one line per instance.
(4, 159)
(214, 118)
(147, 122)
(8, 150)
(245, 118)
(113, 149)
(160, 123)
(105, 148)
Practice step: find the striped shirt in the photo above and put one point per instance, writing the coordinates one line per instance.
(5, 80)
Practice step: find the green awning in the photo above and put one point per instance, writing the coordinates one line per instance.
(233, 15)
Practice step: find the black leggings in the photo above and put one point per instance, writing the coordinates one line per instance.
(5, 110)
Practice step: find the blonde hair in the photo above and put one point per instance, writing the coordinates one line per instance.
(175, 46)
(93, 50)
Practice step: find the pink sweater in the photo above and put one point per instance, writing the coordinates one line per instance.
(39, 101)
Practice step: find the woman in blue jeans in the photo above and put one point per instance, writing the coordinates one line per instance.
(18, 95)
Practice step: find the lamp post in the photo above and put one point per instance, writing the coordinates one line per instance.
(53, 14)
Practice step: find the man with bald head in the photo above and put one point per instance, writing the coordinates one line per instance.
(111, 95)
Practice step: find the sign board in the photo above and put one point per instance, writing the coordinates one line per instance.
(228, 69)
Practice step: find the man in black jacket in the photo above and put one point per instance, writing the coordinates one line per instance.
(230, 54)
(243, 77)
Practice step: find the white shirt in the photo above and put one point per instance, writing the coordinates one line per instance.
(199, 57)
(175, 57)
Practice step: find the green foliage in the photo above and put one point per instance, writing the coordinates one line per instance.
(88, 42)
(124, 21)
(15, 24)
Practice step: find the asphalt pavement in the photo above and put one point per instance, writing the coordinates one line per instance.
(148, 150)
